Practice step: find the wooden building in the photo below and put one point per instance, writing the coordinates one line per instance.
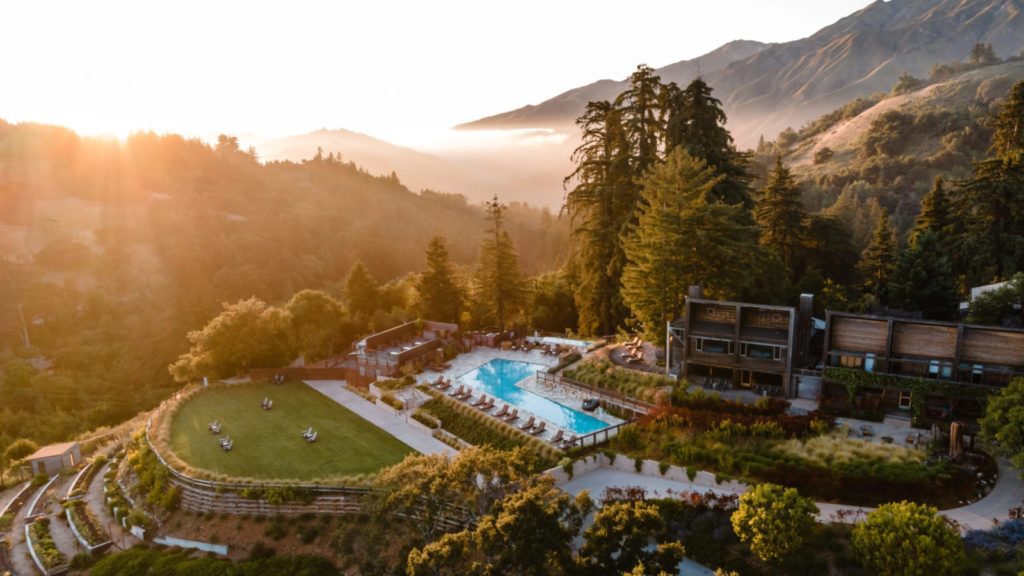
(950, 366)
(736, 345)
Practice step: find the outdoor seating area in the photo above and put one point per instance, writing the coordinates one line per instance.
(509, 415)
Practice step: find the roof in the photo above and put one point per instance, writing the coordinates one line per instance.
(52, 450)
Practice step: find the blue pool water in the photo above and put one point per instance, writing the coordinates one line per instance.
(498, 378)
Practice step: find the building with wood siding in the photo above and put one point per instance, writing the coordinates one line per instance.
(938, 370)
(741, 345)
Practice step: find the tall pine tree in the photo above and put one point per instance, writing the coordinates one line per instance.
(695, 120)
(440, 294)
(879, 259)
(683, 237)
(780, 214)
(362, 293)
(935, 212)
(923, 279)
(500, 289)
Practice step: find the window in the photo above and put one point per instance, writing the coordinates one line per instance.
(869, 362)
(712, 346)
(760, 351)
(904, 401)
(851, 361)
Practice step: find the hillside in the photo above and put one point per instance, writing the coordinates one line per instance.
(788, 84)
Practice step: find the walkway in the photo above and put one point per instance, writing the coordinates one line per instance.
(1007, 493)
(96, 500)
(398, 426)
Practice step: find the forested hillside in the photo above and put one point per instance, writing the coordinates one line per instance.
(112, 252)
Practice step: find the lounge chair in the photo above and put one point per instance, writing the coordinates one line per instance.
(528, 425)
(570, 442)
(487, 405)
(480, 401)
(558, 436)
(635, 359)
(308, 432)
(227, 447)
(513, 415)
(501, 413)
(225, 441)
(312, 438)
(466, 394)
(457, 392)
(540, 429)
(445, 385)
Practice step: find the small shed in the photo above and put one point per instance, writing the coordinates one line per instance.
(54, 458)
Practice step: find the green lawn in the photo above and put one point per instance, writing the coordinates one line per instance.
(269, 444)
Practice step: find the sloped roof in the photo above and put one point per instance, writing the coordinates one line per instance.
(52, 450)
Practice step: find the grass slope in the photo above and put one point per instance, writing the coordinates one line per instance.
(269, 445)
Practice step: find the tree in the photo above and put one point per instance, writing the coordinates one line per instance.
(683, 237)
(935, 212)
(362, 292)
(428, 489)
(773, 521)
(552, 307)
(642, 109)
(983, 54)
(923, 280)
(19, 449)
(619, 539)
(247, 334)
(600, 207)
(440, 293)
(499, 285)
(879, 259)
(906, 84)
(828, 245)
(908, 539)
(529, 532)
(1003, 422)
(696, 122)
(780, 214)
(990, 205)
(316, 321)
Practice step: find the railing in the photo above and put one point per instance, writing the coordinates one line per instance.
(595, 438)
(608, 396)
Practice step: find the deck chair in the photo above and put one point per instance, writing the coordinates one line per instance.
(480, 401)
(513, 416)
(558, 436)
(501, 413)
(457, 392)
(528, 425)
(540, 429)
(570, 442)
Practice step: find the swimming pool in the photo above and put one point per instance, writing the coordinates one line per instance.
(498, 378)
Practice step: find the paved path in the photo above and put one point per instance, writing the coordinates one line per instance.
(96, 500)
(395, 425)
(1007, 493)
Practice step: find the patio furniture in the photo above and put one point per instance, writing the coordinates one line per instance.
(558, 436)
(528, 425)
(480, 401)
(570, 442)
(866, 431)
(501, 413)
(540, 429)
(513, 416)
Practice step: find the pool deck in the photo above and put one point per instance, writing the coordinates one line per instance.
(469, 361)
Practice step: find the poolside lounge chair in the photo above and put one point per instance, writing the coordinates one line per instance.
(437, 383)
(482, 400)
(558, 436)
(466, 394)
(501, 413)
(540, 429)
(513, 415)
(458, 392)
(528, 425)
(445, 385)
(487, 405)
(566, 444)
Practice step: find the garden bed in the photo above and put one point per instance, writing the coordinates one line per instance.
(601, 373)
(44, 550)
(86, 525)
(759, 444)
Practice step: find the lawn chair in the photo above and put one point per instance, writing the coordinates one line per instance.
(308, 432)
(225, 441)
(558, 436)
(501, 413)
(513, 416)
(228, 446)
(312, 438)
(487, 405)
(540, 429)
(445, 385)
(528, 425)
(480, 401)
(566, 444)
(457, 392)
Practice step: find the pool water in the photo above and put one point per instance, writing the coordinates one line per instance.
(499, 377)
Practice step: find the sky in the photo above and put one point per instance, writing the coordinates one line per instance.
(398, 70)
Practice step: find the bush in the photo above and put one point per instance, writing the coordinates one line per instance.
(390, 399)
(261, 551)
(40, 479)
(907, 539)
(426, 419)
(45, 548)
(603, 374)
(566, 360)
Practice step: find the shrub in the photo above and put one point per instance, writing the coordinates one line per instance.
(566, 360)
(567, 466)
(603, 374)
(773, 520)
(390, 399)
(426, 419)
(663, 467)
(45, 548)
(261, 551)
(40, 479)
(907, 539)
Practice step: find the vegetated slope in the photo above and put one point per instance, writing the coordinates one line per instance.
(417, 170)
(890, 148)
(114, 251)
(791, 83)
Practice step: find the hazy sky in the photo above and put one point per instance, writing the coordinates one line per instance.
(397, 70)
